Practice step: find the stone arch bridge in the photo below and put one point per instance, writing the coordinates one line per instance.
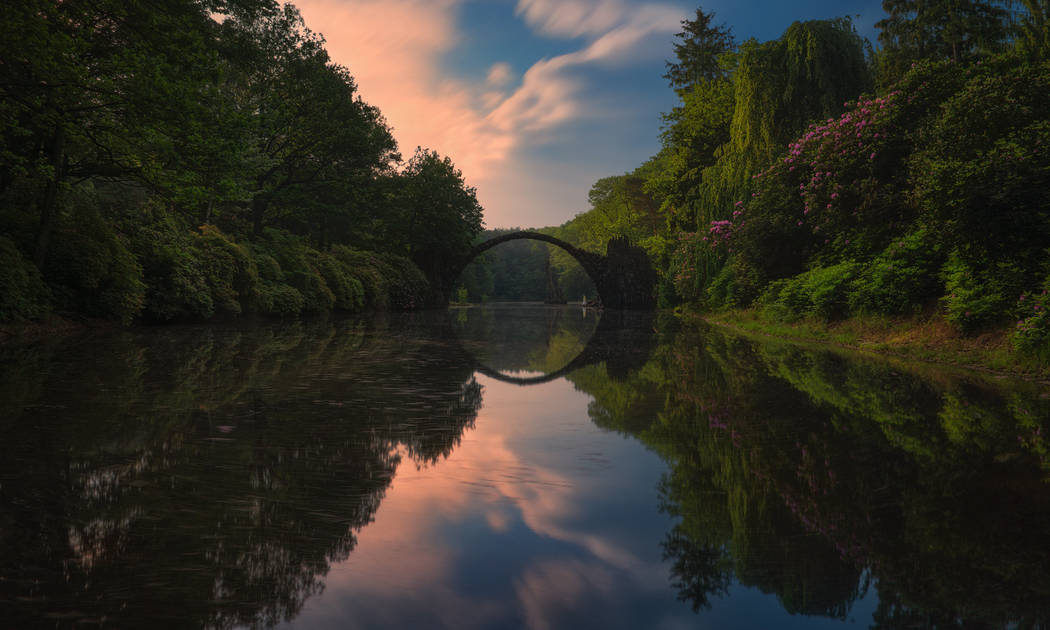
(624, 277)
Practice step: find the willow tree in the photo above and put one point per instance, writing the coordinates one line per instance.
(781, 87)
(1033, 30)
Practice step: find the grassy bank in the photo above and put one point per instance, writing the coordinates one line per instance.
(923, 337)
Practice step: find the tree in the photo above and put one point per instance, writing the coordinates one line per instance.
(440, 214)
(692, 136)
(699, 53)
(781, 86)
(110, 90)
(938, 29)
(308, 129)
(1033, 30)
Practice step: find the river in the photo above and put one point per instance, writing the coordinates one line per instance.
(512, 466)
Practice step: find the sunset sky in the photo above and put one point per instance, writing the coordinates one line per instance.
(534, 99)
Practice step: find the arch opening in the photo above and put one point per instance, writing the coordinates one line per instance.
(526, 268)
(623, 278)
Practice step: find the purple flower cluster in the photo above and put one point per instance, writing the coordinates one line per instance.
(829, 166)
(832, 157)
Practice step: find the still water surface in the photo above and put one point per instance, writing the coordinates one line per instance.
(512, 467)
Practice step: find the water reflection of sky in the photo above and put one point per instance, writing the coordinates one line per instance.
(538, 519)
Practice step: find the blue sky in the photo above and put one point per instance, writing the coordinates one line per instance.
(534, 99)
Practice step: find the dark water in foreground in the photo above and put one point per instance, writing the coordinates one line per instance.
(512, 467)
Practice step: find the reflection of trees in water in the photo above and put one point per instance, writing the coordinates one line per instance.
(805, 474)
(218, 475)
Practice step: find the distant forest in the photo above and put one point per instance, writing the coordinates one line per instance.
(516, 272)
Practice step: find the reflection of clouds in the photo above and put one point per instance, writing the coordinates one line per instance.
(447, 548)
(549, 587)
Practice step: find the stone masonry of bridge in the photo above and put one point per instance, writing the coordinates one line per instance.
(624, 277)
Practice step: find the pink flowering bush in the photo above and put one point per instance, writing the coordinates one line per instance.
(1032, 331)
(835, 195)
(957, 159)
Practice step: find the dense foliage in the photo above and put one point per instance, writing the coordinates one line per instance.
(197, 158)
(811, 176)
(811, 475)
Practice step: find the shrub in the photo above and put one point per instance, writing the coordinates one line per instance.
(977, 298)
(291, 254)
(348, 292)
(388, 280)
(822, 292)
(229, 272)
(176, 289)
(22, 292)
(275, 297)
(902, 277)
(723, 291)
(90, 269)
(407, 287)
(359, 266)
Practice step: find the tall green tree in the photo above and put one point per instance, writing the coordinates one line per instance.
(692, 136)
(309, 129)
(110, 90)
(1032, 30)
(937, 30)
(439, 216)
(699, 52)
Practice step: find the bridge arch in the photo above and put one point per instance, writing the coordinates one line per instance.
(624, 277)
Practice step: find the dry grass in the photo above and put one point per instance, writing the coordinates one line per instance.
(925, 336)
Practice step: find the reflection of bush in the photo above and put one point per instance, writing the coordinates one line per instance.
(221, 474)
(923, 482)
(799, 472)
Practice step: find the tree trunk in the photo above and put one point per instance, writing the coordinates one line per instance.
(258, 210)
(49, 209)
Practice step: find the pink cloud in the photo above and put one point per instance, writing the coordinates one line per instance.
(392, 48)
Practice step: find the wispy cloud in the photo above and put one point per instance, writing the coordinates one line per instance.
(486, 125)
(572, 18)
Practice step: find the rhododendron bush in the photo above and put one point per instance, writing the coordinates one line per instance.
(953, 164)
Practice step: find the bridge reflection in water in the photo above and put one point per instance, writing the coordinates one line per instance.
(622, 340)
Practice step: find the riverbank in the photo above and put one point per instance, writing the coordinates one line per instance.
(922, 337)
